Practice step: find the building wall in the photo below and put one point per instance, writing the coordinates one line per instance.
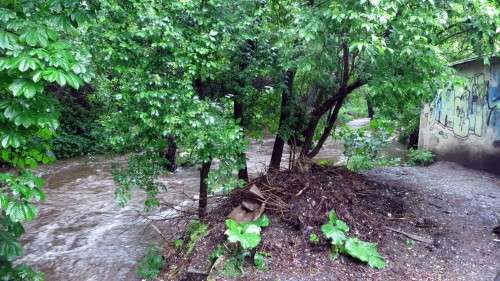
(462, 124)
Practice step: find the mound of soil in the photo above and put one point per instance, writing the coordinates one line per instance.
(299, 204)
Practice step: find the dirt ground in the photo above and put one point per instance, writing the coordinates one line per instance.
(452, 207)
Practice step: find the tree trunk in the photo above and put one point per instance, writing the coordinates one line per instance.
(369, 105)
(413, 139)
(238, 115)
(279, 142)
(170, 154)
(323, 108)
(204, 171)
(328, 129)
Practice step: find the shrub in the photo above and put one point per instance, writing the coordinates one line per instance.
(420, 157)
(80, 132)
(363, 147)
(150, 266)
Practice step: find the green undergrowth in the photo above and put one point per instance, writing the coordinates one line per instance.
(241, 244)
(150, 266)
(240, 249)
(420, 157)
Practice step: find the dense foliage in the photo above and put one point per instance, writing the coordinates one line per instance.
(79, 132)
(35, 52)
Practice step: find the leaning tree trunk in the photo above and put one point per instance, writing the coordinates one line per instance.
(238, 115)
(320, 110)
(279, 142)
(204, 171)
(328, 129)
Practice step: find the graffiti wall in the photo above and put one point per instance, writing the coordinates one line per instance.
(464, 119)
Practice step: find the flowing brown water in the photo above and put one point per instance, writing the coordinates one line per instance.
(82, 235)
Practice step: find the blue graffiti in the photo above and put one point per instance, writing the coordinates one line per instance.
(494, 102)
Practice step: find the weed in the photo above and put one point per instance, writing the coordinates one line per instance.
(314, 238)
(150, 266)
(326, 163)
(336, 231)
(259, 260)
(246, 236)
(194, 232)
(178, 243)
(216, 253)
(420, 157)
(409, 242)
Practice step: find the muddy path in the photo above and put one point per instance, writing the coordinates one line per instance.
(459, 208)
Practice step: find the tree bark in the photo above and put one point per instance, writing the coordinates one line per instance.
(369, 105)
(204, 171)
(413, 139)
(328, 129)
(170, 154)
(238, 115)
(279, 142)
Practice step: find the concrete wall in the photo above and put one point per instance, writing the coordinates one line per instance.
(463, 122)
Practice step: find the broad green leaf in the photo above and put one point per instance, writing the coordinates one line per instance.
(24, 87)
(263, 221)
(337, 236)
(364, 251)
(246, 234)
(21, 211)
(12, 140)
(26, 63)
(35, 36)
(7, 40)
(73, 80)
(54, 75)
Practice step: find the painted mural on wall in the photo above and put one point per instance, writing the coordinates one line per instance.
(494, 100)
(471, 108)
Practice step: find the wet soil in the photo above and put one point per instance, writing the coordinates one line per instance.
(455, 208)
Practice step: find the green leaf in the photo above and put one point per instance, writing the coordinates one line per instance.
(35, 36)
(26, 63)
(336, 235)
(341, 225)
(73, 80)
(12, 140)
(24, 87)
(37, 76)
(21, 211)
(7, 40)
(247, 234)
(364, 251)
(259, 260)
(9, 247)
(4, 201)
(263, 221)
(54, 75)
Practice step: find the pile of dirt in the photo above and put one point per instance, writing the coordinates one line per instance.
(298, 203)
